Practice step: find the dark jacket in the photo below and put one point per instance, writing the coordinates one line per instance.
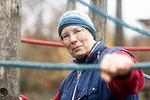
(88, 85)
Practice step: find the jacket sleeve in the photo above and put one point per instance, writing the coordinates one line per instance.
(21, 97)
(131, 84)
(56, 97)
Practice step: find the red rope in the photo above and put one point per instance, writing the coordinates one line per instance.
(134, 48)
(47, 43)
(31, 41)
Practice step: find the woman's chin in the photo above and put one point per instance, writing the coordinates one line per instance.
(79, 56)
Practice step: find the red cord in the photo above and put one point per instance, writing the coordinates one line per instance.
(40, 42)
(134, 48)
(31, 41)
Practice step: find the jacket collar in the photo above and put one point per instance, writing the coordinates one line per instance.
(98, 46)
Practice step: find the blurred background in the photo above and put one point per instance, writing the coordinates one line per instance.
(39, 21)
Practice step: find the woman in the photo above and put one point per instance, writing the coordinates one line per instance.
(115, 80)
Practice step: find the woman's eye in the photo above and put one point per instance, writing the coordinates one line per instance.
(77, 31)
(66, 36)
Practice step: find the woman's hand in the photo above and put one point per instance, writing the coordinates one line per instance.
(113, 65)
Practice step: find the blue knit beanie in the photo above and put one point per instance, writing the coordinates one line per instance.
(76, 18)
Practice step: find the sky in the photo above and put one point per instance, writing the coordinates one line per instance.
(132, 11)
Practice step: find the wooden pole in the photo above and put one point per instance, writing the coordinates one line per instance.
(99, 21)
(119, 37)
(10, 29)
(71, 5)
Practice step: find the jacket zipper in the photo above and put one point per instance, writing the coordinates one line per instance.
(79, 74)
(98, 55)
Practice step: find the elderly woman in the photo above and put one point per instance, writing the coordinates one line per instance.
(115, 80)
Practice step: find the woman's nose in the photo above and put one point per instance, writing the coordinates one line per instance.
(73, 38)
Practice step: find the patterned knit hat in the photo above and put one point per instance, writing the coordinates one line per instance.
(77, 18)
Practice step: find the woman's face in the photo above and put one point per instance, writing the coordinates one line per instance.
(78, 40)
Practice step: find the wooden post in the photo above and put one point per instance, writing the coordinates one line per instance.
(99, 21)
(10, 29)
(119, 37)
(71, 5)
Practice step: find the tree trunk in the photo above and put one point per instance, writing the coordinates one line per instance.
(119, 38)
(99, 21)
(10, 29)
(71, 5)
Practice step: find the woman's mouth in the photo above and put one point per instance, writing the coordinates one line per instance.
(76, 48)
